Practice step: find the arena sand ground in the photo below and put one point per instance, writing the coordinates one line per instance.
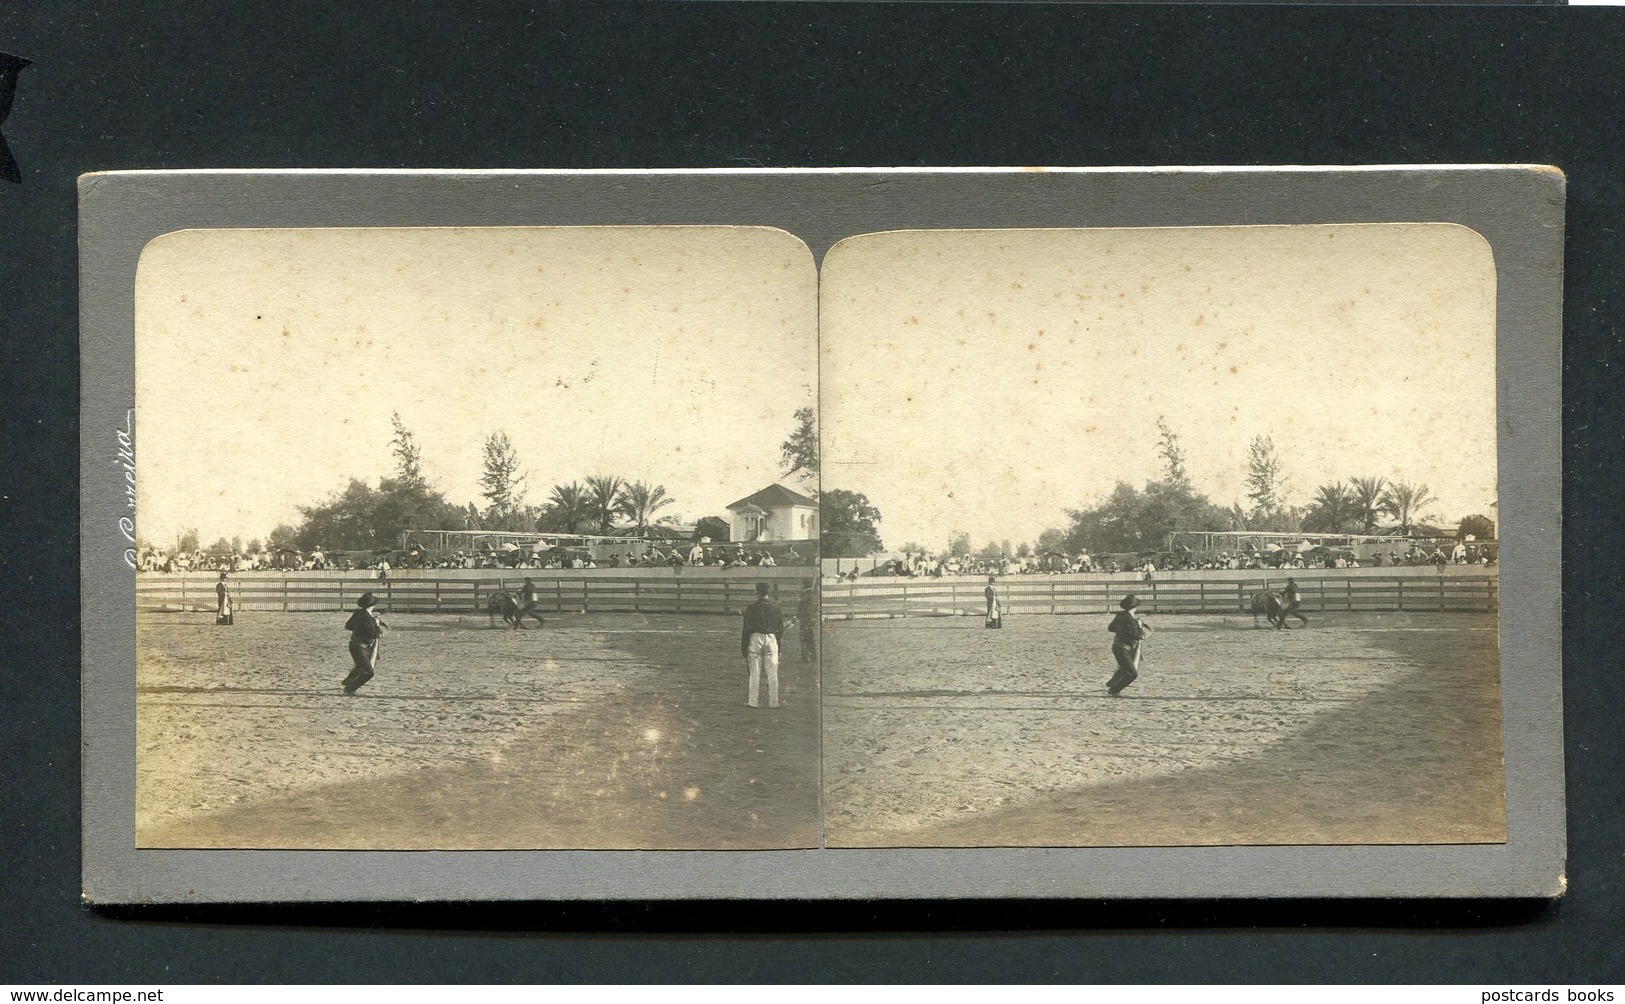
(1364, 728)
(599, 731)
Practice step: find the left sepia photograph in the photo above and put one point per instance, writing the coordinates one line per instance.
(485, 538)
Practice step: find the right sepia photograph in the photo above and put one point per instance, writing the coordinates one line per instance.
(1160, 537)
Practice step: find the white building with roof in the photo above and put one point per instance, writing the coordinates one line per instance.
(774, 513)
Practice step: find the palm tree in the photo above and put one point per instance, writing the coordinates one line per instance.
(567, 506)
(1368, 494)
(603, 494)
(1406, 503)
(1333, 508)
(639, 501)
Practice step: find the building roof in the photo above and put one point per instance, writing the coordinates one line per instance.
(773, 497)
(664, 531)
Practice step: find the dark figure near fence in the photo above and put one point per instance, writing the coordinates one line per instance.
(807, 621)
(1291, 598)
(222, 602)
(365, 628)
(1268, 604)
(1128, 631)
(528, 598)
(503, 602)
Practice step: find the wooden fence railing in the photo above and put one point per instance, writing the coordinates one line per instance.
(1064, 595)
(659, 593)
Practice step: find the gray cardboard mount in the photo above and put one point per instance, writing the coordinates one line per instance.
(1517, 209)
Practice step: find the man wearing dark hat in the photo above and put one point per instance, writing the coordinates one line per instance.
(1129, 629)
(222, 601)
(759, 641)
(365, 627)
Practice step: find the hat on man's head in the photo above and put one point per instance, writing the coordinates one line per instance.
(366, 600)
(762, 589)
(1130, 602)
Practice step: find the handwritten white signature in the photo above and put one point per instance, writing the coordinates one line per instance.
(126, 463)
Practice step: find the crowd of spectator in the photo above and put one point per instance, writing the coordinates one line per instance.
(1436, 553)
(150, 559)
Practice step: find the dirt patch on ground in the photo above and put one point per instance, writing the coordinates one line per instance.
(600, 731)
(1365, 728)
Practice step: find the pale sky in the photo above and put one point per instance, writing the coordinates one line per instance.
(986, 381)
(268, 363)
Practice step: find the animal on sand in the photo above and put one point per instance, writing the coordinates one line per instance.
(504, 603)
(1271, 606)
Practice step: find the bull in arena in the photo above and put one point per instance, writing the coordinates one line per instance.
(1271, 606)
(504, 603)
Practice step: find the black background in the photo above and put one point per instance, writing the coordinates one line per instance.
(779, 85)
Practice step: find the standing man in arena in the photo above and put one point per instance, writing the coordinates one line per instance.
(995, 609)
(759, 641)
(365, 627)
(1128, 630)
(222, 602)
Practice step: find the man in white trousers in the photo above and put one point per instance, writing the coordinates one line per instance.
(759, 642)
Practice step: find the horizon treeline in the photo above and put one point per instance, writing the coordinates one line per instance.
(1136, 520)
(360, 517)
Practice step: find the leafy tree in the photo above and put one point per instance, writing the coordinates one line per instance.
(849, 525)
(503, 483)
(283, 538)
(1024, 549)
(1368, 492)
(1334, 509)
(220, 548)
(1052, 539)
(1239, 518)
(799, 452)
(959, 547)
(1478, 526)
(1264, 477)
(1128, 520)
(254, 546)
(469, 517)
(714, 527)
(1407, 504)
(639, 502)
(343, 521)
(188, 540)
(236, 545)
(566, 508)
(603, 492)
(1287, 519)
(1173, 455)
(400, 505)
(989, 552)
(362, 517)
(408, 457)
